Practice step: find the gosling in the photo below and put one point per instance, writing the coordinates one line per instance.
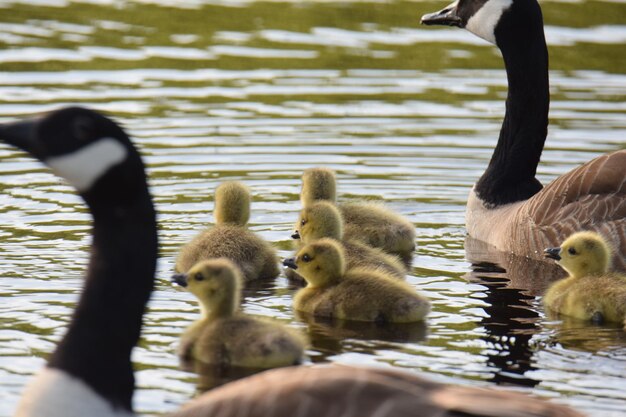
(371, 223)
(359, 294)
(230, 238)
(223, 336)
(591, 292)
(322, 219)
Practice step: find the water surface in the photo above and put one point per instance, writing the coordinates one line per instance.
(259, 91)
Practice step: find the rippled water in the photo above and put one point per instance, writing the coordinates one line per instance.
(258, 91)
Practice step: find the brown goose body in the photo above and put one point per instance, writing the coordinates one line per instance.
(338, 390)
(590, 197)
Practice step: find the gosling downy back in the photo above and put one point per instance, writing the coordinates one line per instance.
(230, 238)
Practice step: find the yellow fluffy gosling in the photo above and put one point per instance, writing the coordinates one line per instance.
(371, 223)
(591, 292)
(360, 294)
(322, 219)
(230, 237)
(225, 337)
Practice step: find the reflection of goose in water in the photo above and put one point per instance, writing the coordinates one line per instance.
(328, 336)
(509, 325)
(512, 323)
(530, 275)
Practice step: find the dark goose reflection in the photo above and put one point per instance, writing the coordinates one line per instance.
(511, 284)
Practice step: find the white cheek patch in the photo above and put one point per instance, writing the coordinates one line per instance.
(483, 22)
(83, 167)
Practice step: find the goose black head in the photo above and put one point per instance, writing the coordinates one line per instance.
(492, 20)
(86, 148)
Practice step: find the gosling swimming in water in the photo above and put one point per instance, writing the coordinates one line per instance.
(371, 223)
(322, 219)
(591, 292)
(230, 237)
(225, 337)
(360, 294)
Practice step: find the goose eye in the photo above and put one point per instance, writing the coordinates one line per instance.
(306, 258)
(199, 277)
(571, 251)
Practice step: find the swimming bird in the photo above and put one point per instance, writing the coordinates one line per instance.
(230, 237)
(323, 220)
(226, 337)
(90, 372)
(591, 292)
(508, 207)
(361, 294)
(371, 223)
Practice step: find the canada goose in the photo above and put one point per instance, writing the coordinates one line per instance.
(322, 219)
(225, 337)
(508, 207)
(371, 223)
(230, 238)
(590, 292)
(362, 294)
(97, 158)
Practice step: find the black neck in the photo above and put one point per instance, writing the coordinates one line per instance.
(511, 173)
(107, 322)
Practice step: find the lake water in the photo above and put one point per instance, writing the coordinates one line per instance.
(259, 91)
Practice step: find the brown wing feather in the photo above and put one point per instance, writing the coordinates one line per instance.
(333, 391)
(590, 197)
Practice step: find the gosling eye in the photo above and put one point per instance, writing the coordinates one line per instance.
(306, 257)
(572, 251)
(199, 277)
(303, 222)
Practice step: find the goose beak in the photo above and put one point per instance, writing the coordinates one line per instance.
(445, 17)
(290, 263)
(21, 134)
(180, 279)
(553, 253)
(295, 235)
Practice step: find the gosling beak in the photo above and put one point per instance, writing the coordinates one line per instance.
(21, 134)
(295, 235)
(290, 263)
(445, 17)
(180, 279)
(553, 253)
